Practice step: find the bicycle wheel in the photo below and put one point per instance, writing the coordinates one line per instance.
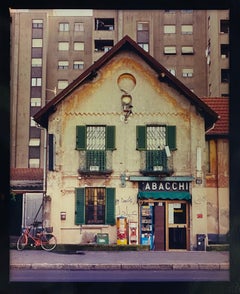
(48, 242)
(22, 242)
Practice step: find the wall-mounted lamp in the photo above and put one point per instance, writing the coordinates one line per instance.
(126, 100)
(123, 179)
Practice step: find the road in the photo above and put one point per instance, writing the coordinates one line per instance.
(17, 275)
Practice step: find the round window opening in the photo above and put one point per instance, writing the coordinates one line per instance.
(126, 82)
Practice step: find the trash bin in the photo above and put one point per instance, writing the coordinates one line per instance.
(102, 238)
(201, 242)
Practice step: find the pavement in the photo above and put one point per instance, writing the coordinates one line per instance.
(119, 260)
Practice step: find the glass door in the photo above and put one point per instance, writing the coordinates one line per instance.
(177, 228)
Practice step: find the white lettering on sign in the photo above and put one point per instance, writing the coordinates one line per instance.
(164, 186)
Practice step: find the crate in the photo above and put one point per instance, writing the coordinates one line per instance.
(49, 229)
(102, 238)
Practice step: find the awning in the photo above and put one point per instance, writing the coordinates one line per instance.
(179, 195)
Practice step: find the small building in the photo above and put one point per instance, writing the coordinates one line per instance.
(126, 153)
(217, 172)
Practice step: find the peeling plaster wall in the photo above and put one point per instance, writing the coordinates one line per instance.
(99, 102)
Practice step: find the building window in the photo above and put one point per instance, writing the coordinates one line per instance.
(36, 82)
(34, 142)
(63, 27)
(37, 24)
(96, 142)
(187, 50)
(224, 75)
(224, 26)
(62, 84)
(103, 45)
(145, 46)
(63, 46)
(63, 64)
(156, 142)
(36, 62)
(78, 64)
(78, 46)
(170, 50)
(187, 72)
(32, 122)
(172, 71)
(143, 35)
(169, 29)
(187, 29)
(104, 24)
(187, 11)
(224, 50)
(95, 206)
(34, 162)
(37, 43)
(78, 27)
(36, 102)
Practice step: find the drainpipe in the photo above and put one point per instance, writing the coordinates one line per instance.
(44, 170)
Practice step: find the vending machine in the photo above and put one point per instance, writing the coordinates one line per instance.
(121, 230)
(132, 233)
(146, 225)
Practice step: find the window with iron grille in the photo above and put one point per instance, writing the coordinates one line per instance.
(95, 205)
(156, 142)
(143, 35)
(96, 141)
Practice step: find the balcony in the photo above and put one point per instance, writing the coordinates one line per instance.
(156, 162)
(95, 162)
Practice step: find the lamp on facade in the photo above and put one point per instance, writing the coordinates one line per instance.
(126, 100)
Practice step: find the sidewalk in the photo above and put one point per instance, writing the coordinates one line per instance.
(109, 260)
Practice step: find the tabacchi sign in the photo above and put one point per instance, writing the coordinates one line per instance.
(164, 186)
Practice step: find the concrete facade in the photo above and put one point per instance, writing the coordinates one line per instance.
(97, 102)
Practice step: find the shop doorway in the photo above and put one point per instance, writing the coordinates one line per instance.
(177, 225)
(170, 225)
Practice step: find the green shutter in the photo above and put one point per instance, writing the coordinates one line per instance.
(141, 138)
(110, 206)
(81, 137)
(79, 206)
(171, 137)
(110, 137)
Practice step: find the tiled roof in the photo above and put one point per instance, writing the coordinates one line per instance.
(221, 106)
(26, 179)
(30, 174)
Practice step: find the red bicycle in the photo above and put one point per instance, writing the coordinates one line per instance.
(35, 236)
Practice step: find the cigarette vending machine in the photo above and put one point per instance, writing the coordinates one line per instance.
(146, 225)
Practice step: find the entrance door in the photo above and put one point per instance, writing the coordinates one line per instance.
(159, 227)
(177, 225)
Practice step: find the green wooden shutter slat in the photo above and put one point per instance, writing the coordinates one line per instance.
(110, 137)
(141, 138)
(171, 137)
(81, 137)
(79, 206)
(110, 206)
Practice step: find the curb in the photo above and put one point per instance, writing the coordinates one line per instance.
(77, 266)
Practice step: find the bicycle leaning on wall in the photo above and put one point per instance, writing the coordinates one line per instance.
(37, 236)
